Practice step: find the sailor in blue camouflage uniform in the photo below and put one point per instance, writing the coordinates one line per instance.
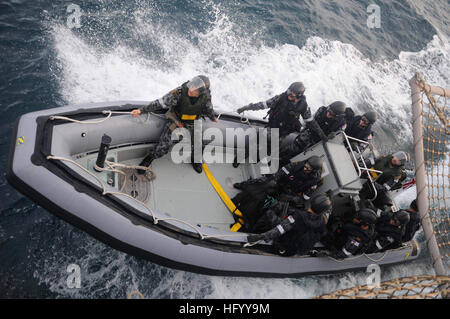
(187, 103)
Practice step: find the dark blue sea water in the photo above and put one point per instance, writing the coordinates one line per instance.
(251, 50)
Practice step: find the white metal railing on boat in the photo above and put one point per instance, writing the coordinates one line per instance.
(363, 161)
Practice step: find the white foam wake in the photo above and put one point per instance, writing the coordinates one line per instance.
(242, 70)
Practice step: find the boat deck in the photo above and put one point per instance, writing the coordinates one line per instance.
(178, 190)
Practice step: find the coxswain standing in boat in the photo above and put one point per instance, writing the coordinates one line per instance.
(184, 104)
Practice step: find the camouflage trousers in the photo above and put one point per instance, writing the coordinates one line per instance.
(165, 142)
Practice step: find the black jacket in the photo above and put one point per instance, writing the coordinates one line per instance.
(354, 130)
(298, 232)
(293, 180)
(412, 227)
(388, 236)
(329, 125)
(352, 240)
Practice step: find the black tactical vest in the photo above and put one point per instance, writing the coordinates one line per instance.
(188, 111)
(285, 115)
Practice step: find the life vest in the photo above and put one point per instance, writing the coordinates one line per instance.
(188, 111)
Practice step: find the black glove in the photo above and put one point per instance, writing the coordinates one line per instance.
(254, 238)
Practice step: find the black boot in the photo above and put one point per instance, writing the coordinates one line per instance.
(197, 167)
(238, 186)
(145, 162)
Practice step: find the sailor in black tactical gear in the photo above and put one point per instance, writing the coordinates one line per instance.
(300, 230)
(355, 238)
(253, 200)
(414, 222)
(296, 181)
(285, 110)
(330, 120)
(360, 127)
(390, 228)
(184, 105)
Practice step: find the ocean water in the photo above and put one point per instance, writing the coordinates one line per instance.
(251, 50)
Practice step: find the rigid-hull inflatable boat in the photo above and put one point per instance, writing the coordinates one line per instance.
(176, 217)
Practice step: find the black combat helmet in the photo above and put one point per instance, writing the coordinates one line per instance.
(297, 89)
(402, 217)
(315, 162)
(402, 156)
(371, 116)
(321, 204)
(367, 216)
(338, 108)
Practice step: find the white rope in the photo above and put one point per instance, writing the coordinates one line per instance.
(110, 113)
(359, 256)
(244, 120)
(155, 219)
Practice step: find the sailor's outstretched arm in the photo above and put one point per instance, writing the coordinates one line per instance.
(282, 228)
(260, 106)
(167, 101)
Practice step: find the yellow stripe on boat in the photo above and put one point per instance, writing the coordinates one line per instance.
(225, 198)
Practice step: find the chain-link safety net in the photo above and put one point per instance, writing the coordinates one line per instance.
(430, 119)
(436, 132)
